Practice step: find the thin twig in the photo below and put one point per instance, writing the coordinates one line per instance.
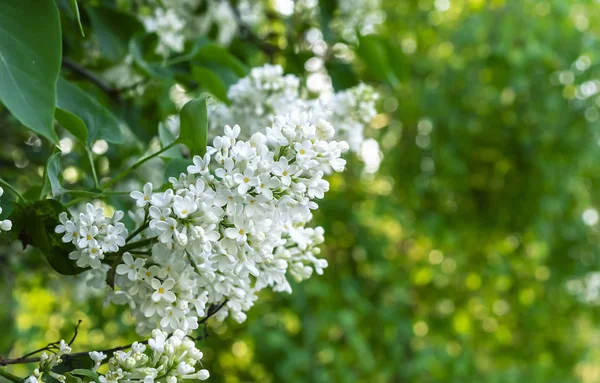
(138, 230)
(212, 310)
(127, 88)
(75, 333)
(25, 358)
(93, 78)
(125, 172)
(93, 166)
(137, 244)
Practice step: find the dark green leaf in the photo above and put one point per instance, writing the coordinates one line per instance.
(87, 373)
(40, 218)
(327, 9)
(342, 75)
(210, 81)
(30, 56)
(176, 166)
(213, 53)
(142, 50)
(198, 44)
(72, 123)
(167, 138)
(113, 29)
(374, 52)
(101, 124)
(194, 126)
(72, 379)
(33, 192)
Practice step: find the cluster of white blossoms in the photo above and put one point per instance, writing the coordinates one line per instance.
(350, 16)
(168, 359)
(234, 224)
(169, 27)
(350, 111)
(175, 21)
(363, 16)
(257, 98)
(47, 362)
(266, 92)
(227, 19)
(5, 225)
(93, 235)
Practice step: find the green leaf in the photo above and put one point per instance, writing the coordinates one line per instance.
(342, 74)
(72, 379)
(72, 123)
(327, 10)
(113, 29)
(77, 15)
(198, 44)
(87, 373)
(38, 221)
(33, 192)
(142, 50)
(53, 172)
(374, 52)
(210, 81)
(213, 53)
(167, 138)
(194, 126)
(100, 123)
(66, 368)
(30, 57)
(176, 166)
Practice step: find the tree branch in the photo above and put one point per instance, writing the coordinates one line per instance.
(75, 333)
(212, 310)
(25, 358)
(93, 78)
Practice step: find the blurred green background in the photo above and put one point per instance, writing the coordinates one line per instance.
(460, 260)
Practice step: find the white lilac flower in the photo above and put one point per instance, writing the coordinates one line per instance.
(142, 198)
(169, 26)
(363, 16)
(267, 92)
(234, 224)
(97, 357)
(5, 225)
(257, 98)
(169, 359)
(93, 234)
(47, 362)
(130, 266)
(63, 348)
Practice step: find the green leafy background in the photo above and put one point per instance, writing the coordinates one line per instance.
(450, 264)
